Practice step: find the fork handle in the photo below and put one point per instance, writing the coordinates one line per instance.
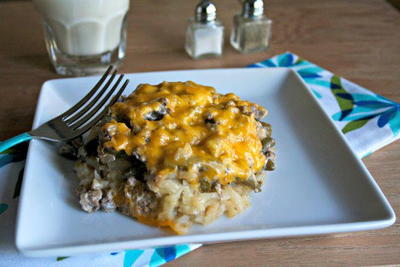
(14, 141)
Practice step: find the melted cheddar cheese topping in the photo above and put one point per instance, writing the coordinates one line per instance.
(188, 129)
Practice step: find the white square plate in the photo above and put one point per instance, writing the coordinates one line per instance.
(319, 185)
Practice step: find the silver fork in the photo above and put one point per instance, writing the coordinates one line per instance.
(81, 117)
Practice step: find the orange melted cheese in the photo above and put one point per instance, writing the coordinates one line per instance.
(183, 141)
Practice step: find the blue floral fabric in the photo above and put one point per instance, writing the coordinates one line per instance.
(368, 121)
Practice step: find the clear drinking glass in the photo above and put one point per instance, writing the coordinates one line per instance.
(84, 37)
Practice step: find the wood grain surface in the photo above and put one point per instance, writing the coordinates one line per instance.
(359, 40)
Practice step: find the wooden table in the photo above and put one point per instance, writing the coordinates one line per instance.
(359, 40)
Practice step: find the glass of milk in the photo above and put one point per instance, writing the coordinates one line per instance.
(84, 37)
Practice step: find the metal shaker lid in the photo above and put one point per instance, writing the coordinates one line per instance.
(205, 12)
(252, 8)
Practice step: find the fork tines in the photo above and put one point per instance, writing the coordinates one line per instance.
(95, 104)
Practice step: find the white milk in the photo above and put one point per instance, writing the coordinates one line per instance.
(84, 27)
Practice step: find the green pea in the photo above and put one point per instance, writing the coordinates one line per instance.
(270, 165)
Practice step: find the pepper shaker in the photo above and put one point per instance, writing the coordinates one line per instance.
(205, 33)
(251, 29)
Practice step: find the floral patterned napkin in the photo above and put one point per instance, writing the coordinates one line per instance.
(368, 121)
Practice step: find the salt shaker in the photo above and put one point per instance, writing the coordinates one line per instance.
(205, 34)
(251, 29)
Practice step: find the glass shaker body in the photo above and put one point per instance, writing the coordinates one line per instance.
(204, 39)
(251, 35)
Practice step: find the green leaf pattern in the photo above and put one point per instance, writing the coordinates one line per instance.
(358, 109)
